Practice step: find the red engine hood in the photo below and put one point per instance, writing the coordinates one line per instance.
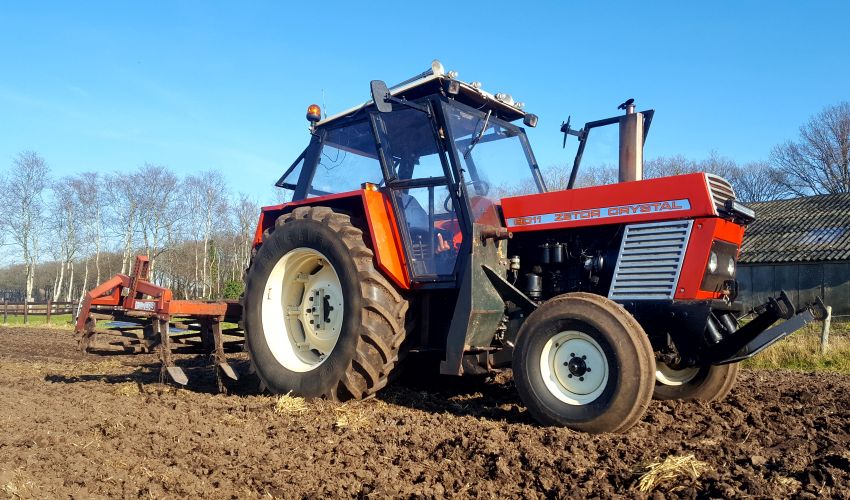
(680, 197)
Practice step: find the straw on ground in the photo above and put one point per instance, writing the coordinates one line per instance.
(290, 405)
(669, 470)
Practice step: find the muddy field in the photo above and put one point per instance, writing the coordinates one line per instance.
(83, 426)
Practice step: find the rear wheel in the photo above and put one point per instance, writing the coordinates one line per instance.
(319, 319)
(706, 383)
(583, 362)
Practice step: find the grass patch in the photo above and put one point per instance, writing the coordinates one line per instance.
(801, 351)
(671, 470)
(57, 320)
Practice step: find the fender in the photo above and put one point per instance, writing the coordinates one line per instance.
(374, 206)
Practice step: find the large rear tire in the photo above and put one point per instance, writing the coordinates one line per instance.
(319, 319)
(582, 361)
(704, 383)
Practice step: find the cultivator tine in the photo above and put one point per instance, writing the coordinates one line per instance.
(86, 335)
(175, 372)
(221, 364)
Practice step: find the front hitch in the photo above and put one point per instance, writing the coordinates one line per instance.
(759, 333)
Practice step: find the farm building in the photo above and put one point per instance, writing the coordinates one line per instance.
(802, 246)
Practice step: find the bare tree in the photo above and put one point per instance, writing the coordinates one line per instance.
(22, 207)
(64, 221)
(158, 210)
(124, 198)
(207, 195)
(756, 181)
(89, 193)
(194, 228)
(759, 181)
(665, 166)
(247, 212)
(596, 175)
(819, 161)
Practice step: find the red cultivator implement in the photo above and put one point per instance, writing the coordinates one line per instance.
(137, 316)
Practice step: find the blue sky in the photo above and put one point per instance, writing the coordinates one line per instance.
(225, 85)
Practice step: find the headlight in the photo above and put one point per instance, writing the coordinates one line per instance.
(730, 267)
(712, 262)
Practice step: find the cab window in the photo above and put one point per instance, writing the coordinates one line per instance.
(348, 157)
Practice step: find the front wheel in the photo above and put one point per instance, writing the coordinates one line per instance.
(704, 383)
(583, 362)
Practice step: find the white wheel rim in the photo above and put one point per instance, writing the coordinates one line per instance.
(302, 309)
(670, 376)
(574, 367)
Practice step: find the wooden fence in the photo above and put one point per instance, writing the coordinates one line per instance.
(28, 309)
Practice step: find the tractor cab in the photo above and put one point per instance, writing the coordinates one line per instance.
(443, 151)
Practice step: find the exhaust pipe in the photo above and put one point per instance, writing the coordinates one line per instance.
(631, 143)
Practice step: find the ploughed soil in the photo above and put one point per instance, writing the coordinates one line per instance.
(87, 426)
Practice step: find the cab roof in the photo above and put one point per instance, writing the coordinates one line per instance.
(439, 82)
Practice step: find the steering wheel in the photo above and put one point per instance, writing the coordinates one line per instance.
(481, 187)
(418, 234)
(447, 203)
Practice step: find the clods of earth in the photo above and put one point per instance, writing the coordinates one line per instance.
(87, 425)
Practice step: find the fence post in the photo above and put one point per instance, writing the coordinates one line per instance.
(824, 334)
(5, 311)
(49, 307)
(26, 312)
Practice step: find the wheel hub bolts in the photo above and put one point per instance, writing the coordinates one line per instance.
(577, 366)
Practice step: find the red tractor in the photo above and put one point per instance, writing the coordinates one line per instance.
(420, 224)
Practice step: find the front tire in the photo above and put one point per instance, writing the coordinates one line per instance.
(319, 319)
(583, 362)
(703, 383)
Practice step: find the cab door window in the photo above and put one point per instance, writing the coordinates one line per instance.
(420, 191)
(410, 147)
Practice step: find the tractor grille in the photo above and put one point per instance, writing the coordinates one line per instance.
(720, 189)
(650, 260)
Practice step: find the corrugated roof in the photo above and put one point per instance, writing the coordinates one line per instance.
(812, 228)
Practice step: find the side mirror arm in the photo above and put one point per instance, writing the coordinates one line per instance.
(383, 99)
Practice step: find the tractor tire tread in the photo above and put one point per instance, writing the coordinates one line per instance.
(384, 309)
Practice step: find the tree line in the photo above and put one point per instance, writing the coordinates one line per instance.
(72, 232)
(816, 162)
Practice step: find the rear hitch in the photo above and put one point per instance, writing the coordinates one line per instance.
(758, 334)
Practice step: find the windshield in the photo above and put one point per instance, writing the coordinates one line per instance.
(495, 159)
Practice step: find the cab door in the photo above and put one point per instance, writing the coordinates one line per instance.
(419, 184)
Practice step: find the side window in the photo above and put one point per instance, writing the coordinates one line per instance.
(348, 158)
(290, 178)
(409, 143)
